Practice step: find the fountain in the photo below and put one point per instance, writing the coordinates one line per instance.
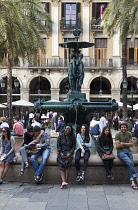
(75, 108)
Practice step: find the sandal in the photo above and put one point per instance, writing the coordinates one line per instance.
(21, 173)
(26, 165)
(134, 187)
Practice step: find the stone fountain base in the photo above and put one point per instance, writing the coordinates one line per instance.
(76, 96)
(76, 111)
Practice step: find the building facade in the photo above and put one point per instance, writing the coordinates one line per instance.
(103, 62)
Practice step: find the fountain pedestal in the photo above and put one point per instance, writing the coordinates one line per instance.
(75, 108)
(76, 96)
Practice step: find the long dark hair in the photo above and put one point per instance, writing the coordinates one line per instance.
(87, 137)
(8, 133)
(108, 137)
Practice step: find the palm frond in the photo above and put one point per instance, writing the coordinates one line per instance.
(20, 26)
(121, 15)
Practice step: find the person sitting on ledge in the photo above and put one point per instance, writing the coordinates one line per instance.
(7, 152)
(105, 146)
(94, 126)
(44, 150)
(24, 151)
(18, 129)
(123, 143)
(36, 123)
(66, 143)
(84, 143)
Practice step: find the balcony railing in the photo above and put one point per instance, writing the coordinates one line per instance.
(67, 25)
(65, 63)
(96, 28)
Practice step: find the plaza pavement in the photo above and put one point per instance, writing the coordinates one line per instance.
(18, 196)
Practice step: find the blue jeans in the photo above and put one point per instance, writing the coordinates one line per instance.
(14, 134)
(127, 157)
(45, 155)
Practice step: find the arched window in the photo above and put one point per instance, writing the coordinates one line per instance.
(64, 86)
(105, 86)
(40, 88)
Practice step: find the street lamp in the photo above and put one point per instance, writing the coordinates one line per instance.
(9, 105)
(2, 83)
(124, 83)
(131, 91)
(100, 91)
(39, 91)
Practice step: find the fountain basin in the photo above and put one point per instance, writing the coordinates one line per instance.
(76, 111)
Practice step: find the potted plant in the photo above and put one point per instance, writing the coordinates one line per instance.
(93, 21)
(62, 22)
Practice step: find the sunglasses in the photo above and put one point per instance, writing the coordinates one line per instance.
(3, 131)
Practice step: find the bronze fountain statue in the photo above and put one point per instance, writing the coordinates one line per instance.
(76, 102)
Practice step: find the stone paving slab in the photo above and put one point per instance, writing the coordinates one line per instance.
(40, 198)
(112, 190)
(118, 202)
(24, 196)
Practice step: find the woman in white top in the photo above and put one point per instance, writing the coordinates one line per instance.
(84, 142)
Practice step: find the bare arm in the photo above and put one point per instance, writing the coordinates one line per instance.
(39, 136)
(13, 128)
(123, 144)
(129, 144)
(1, 147)
(55, 125)
(12, 146)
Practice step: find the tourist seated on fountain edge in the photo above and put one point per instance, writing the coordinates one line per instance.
(18, 129)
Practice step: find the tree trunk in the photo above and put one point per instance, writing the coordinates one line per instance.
(9, 93)
(124, 71)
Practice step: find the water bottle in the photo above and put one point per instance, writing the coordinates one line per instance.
(82, 154)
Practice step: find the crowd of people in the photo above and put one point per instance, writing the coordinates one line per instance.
(37, 143)
(97, 125)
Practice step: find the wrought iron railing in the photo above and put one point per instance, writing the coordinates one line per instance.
(96, 27)
(70, 24)
(65, 63)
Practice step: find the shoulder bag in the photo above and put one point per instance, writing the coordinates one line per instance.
(65, 163)
(108, 157)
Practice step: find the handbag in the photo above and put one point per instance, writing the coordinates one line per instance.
(108, 157)
(33, 151)
(63, 162)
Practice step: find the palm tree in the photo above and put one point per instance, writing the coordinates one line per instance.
(20, 26)
(122, 15)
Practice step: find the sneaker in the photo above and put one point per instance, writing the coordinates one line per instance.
(112, 177)
(41, 176)
(78, 178)
(1, 181)
(108, 176)
(64, 185)
(36, 178)
(82, 177)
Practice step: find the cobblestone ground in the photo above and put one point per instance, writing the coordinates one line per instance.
(76, 197)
